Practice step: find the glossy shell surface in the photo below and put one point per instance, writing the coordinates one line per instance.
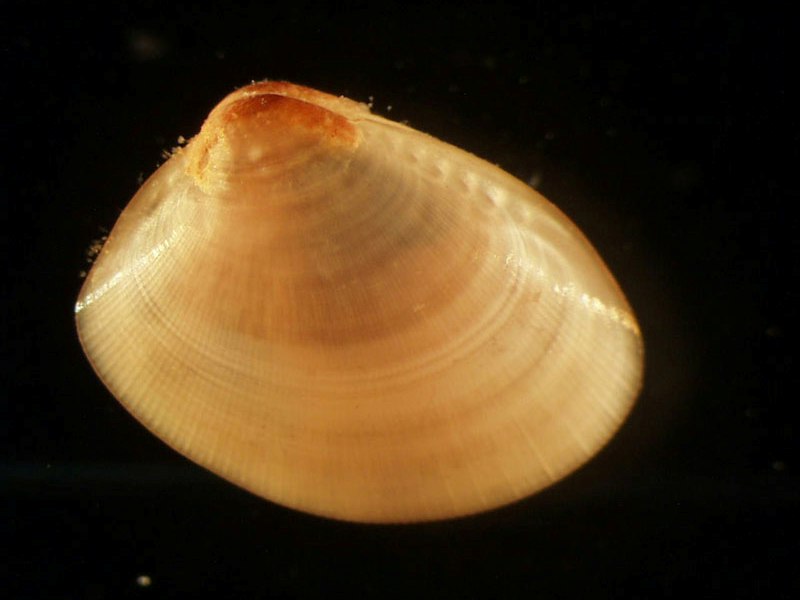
(351, 318)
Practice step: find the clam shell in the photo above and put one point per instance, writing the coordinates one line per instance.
(349, 317)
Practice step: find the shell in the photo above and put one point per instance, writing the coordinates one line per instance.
(349, 317)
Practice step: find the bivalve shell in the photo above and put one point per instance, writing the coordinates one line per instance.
(349, 317)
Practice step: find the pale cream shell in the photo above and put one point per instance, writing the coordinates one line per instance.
(351, 318)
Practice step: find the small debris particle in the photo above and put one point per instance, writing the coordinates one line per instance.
(95, 247)
(535, 180)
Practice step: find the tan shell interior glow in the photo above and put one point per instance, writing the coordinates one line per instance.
(351, 318)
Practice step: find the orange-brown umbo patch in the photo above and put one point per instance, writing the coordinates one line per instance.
(267, 120)
(338, 104)
(284, 112)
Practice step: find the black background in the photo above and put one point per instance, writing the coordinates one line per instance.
(668, 134)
